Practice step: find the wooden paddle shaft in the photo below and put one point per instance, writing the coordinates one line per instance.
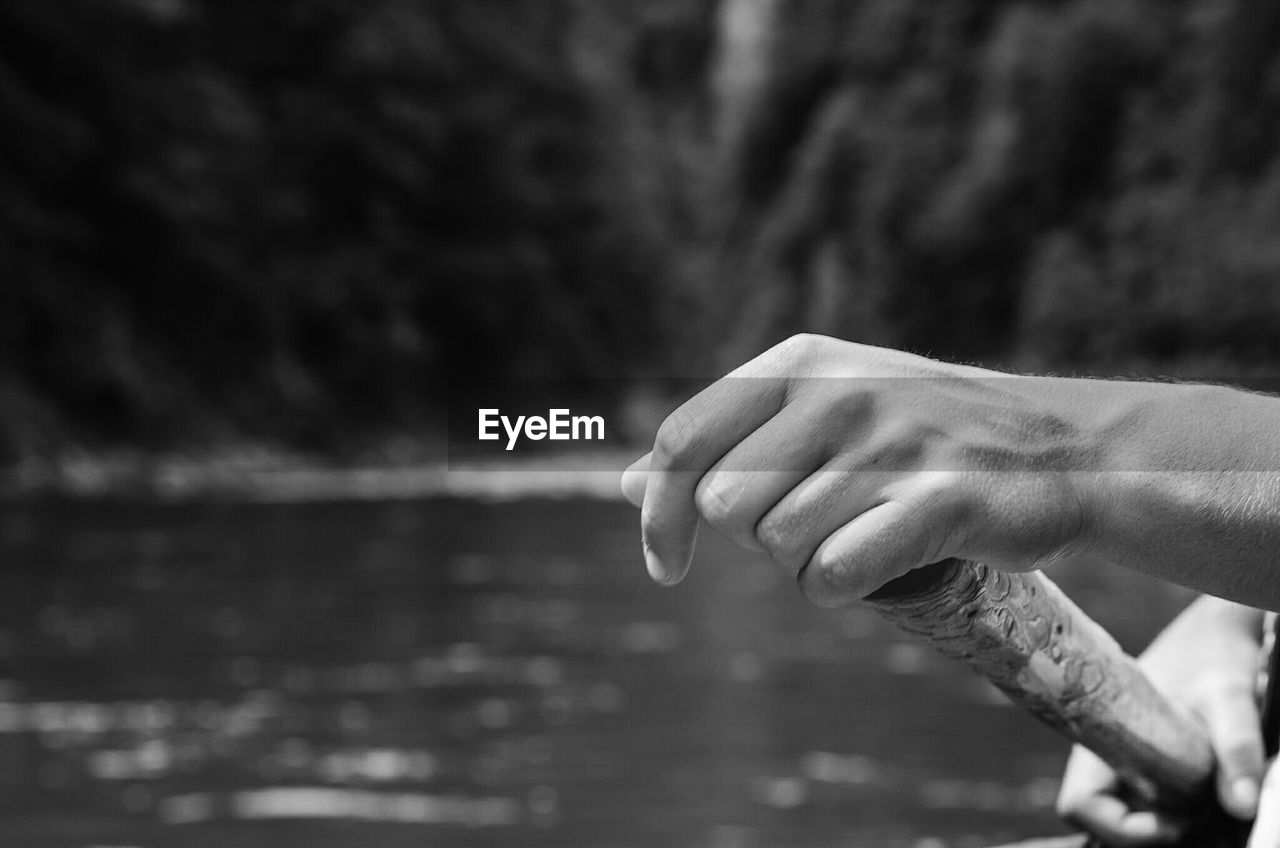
(1020, 631)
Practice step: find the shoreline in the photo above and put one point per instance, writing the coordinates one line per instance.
(265, 476)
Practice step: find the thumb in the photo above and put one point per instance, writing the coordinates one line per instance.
(633, 480)
(1236, 735)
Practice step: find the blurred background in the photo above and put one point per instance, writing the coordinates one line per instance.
(246, 249)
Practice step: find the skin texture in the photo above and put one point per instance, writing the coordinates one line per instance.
(850, 465)
(1206, 661)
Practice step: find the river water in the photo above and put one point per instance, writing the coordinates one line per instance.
(455, 673)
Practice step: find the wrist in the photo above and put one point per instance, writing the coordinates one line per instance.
(1148, 479)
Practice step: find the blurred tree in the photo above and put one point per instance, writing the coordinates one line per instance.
(298, 220)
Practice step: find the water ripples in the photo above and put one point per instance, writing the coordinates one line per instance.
(494, 669)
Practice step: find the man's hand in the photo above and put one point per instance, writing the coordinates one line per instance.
(851, 465)
(1206, 660)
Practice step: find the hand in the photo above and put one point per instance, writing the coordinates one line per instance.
(1266, 829)
(851, 465)
(1205, 660)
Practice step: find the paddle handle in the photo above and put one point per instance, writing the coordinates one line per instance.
(1022, 633)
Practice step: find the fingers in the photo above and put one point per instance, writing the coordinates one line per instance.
(828, 499)
(752, 477)
(763, 494)
(689, 442)
(633, 480)
(1236, 736)
(1089, 800)
(1116, 824)
(1266, 829)
(885, 542)
(803, 518)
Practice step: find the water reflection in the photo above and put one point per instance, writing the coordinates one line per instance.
(384, 674)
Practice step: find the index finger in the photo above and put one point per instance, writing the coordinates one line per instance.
(1236, 734)
(689, 442)
(1090, 800)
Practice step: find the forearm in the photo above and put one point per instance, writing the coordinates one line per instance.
(881, 461)
(1189, 488)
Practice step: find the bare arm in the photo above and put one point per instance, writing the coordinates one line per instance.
(1192, 490)
(851, 465)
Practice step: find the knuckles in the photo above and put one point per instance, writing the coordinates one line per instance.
(830, 586)
(898, 446)
(779, 534)
(677, 437)
(804, 355)
(803, 347)
(715, 502)
(850, 407)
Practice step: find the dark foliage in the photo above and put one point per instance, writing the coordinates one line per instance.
(298, 219)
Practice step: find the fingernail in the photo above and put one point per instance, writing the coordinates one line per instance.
(657, 570)
(1245, 792)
